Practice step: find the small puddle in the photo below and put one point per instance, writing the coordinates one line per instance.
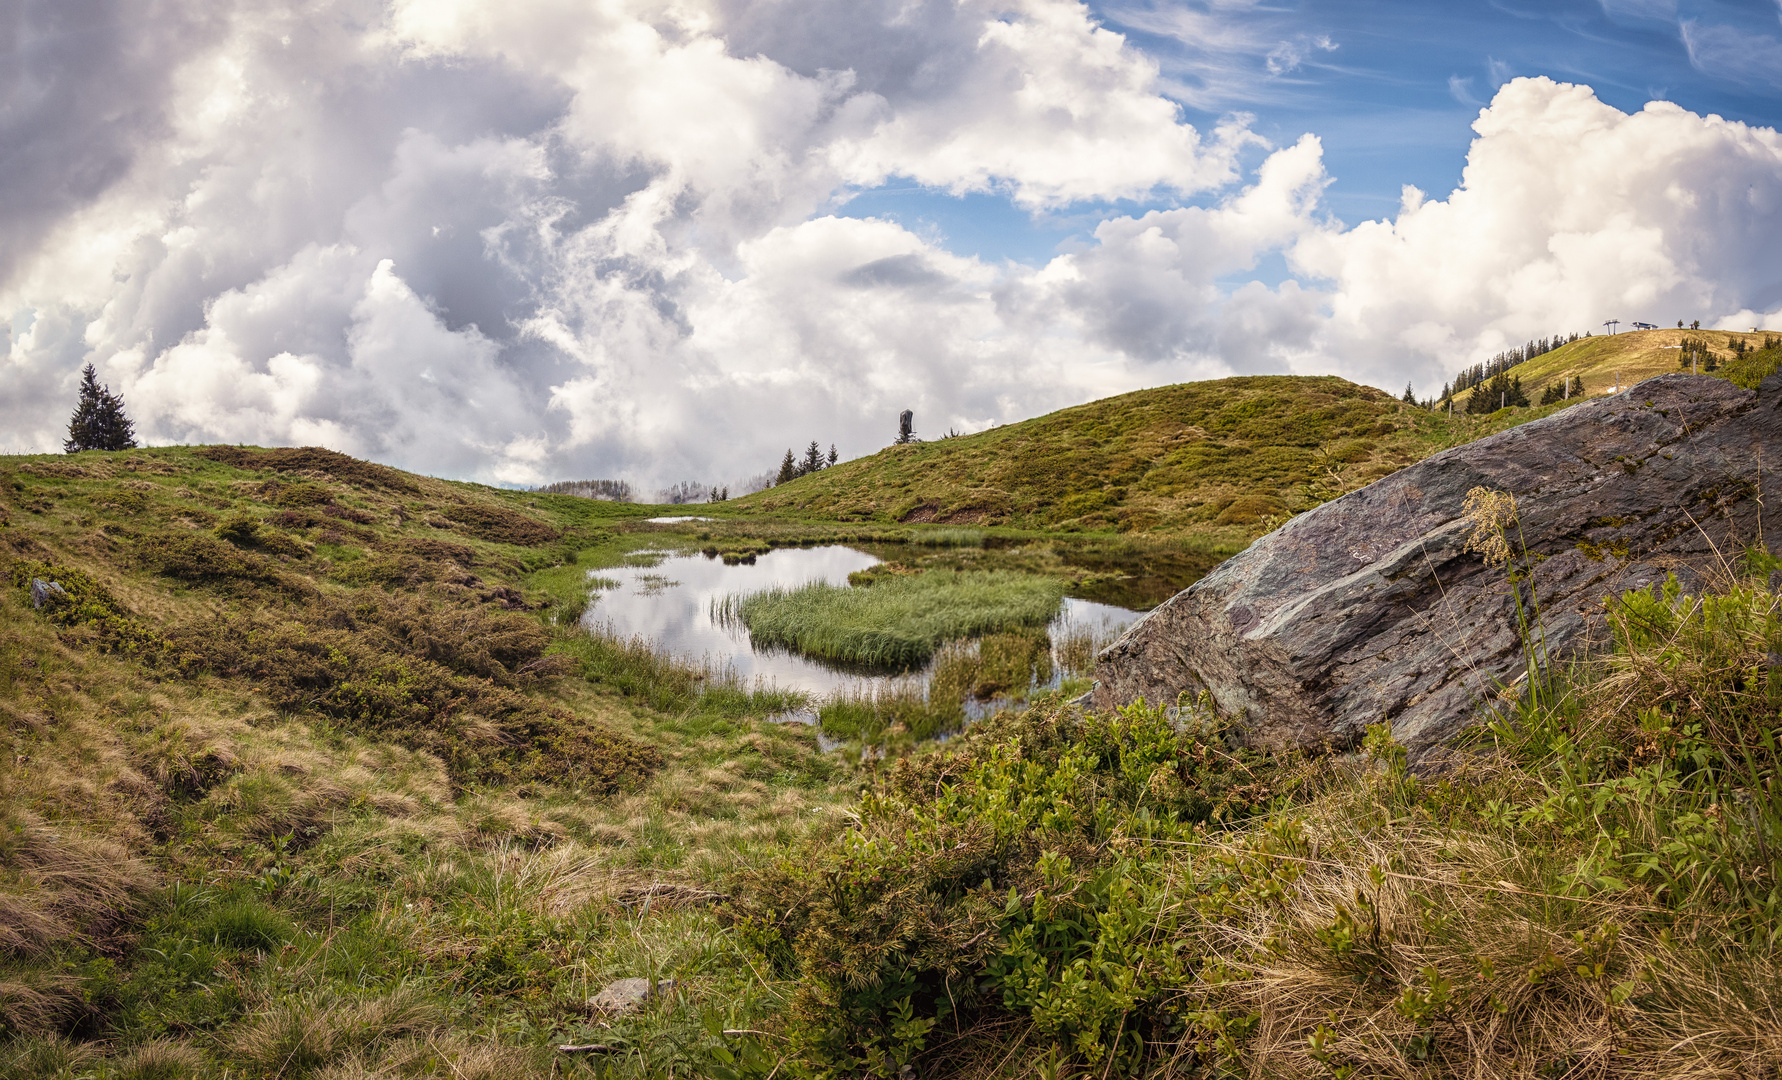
(671, 600)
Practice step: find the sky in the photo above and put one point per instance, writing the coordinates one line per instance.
(664, 240)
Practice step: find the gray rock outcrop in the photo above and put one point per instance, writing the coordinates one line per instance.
(44, 592)
(1369, 608)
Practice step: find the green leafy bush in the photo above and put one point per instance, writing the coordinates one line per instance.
(1024, 872)
(1747, 369)
(87, 607)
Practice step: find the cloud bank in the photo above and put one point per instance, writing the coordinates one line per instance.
(552, 240)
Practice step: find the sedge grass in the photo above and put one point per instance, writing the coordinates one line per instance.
(898, 622)
(960, 538)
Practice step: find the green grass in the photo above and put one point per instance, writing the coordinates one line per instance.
(1218, 460)
(642, 672)
(899, 621)
(947, 537)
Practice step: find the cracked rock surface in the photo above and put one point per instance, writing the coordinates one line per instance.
(1369, 608)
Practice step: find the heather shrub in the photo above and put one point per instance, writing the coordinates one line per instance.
(426, 672)
(1022, 874)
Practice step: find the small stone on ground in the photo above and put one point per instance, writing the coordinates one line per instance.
(628, 995)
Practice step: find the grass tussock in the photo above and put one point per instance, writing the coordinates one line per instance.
(961, 538)
(899, 621)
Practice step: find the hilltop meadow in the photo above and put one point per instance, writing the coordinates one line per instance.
(317, 770)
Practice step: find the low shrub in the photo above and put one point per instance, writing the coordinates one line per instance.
(1594, 890)
(246, 532)
(1747, 369)
(1023, 873)
(294, 496)
(89, 609)
(439, 551)
(309, 459)
(202, 559)
(499, 525)
(388, 571)
(425, 671)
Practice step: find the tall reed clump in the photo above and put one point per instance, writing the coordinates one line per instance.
(897, 622)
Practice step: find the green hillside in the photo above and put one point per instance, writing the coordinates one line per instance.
(1220, 457)
(1602, 363)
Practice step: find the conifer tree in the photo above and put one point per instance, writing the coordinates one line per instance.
(833, 456)
(788, 468)
(99, 422)
(813, 459)
(1409, 398)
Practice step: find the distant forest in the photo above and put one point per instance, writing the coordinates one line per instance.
(1503, 362)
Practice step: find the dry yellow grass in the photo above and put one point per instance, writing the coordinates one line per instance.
(1605, 361)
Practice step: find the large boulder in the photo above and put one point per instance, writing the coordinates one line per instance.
(1370, 608)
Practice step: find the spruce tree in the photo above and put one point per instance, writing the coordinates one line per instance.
(99, 422)
(833, 456)
(788, 468)
(813, 459)
(1409, 398)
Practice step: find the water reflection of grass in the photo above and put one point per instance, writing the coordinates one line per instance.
(1008, 665)
(640, 669)
(898, 621)
(653, 584)
(1074, 645)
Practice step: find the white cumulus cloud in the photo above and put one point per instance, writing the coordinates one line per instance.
(1570, 212)
(551, 239)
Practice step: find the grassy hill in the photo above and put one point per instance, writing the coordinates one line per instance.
(1221, 457)
(312, 773)
(1604, 362)
(309, 773)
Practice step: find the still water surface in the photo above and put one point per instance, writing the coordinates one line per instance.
(672, 602)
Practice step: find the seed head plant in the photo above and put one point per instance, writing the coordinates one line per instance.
(1491, 514)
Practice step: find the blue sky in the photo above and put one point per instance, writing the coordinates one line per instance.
(1391, 88)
